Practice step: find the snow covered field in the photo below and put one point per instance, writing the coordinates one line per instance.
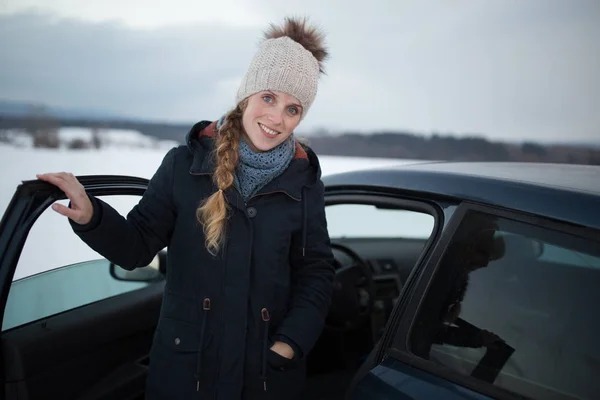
(51, 243)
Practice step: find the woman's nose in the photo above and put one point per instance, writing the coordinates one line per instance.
(276, 117)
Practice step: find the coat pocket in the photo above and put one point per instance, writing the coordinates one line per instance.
(286, 377)
(174, 359)
(278, 362)
(178, 336)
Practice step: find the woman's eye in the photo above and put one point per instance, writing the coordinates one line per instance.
(267, 99)
(293, 110)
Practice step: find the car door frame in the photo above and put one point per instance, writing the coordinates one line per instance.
(441, 208)
(29, 201)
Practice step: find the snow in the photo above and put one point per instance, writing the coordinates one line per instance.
(134, 139)
(107, 138)
(51, 243)
(67, 135)
(16, 137)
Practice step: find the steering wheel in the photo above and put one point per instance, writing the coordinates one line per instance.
(353, 293)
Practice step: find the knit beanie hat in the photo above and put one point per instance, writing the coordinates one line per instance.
(288, 60)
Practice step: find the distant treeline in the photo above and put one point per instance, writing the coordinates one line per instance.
(386, 144)
(163, 131)
(449, 148)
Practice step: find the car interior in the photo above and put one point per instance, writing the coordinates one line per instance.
(344, 346)
(100, 350)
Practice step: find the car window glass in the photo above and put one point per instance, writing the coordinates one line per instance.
(368, 221)
(57, 271)
(554, 253)
(62, 289)
(514, 305)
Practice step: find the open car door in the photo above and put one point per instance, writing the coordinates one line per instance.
(73, 324)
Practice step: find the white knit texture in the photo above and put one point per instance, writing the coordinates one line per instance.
(283, 65)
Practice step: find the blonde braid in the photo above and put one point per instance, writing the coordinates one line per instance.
(213, 213)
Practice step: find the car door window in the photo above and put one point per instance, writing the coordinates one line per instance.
(389, 238)
(369, 221)
(57, 271)
(62, 289)
(51, 243)
(514, 305)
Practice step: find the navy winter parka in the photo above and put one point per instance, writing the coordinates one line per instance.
(220, 314)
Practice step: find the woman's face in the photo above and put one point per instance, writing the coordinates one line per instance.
(270, 118)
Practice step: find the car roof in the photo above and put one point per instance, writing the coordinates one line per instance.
(561, 191)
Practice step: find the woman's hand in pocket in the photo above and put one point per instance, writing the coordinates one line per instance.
(283, 349)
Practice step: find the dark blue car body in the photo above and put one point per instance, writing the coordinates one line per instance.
(543, 194)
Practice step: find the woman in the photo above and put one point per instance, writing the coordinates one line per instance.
(241, 209)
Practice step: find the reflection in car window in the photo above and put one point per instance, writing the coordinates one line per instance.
(507, 307)
(368, 221)
(62, 289)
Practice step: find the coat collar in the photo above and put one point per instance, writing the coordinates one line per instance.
(303, 170)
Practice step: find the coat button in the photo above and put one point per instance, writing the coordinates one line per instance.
(177, 341)
(252, 212)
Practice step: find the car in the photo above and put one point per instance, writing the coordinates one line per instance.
(454, 280)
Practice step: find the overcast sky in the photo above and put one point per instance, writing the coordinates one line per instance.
(504, 69)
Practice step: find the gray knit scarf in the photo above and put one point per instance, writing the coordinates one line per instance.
(255, 170)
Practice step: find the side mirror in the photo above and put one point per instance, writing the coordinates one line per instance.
(153, 272)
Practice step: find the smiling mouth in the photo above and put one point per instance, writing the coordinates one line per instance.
(268, 130)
